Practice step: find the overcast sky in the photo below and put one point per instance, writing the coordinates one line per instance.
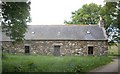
(54, 12)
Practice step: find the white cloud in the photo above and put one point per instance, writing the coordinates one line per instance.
(54, 12)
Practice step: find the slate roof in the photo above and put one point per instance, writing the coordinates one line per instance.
(63, 32)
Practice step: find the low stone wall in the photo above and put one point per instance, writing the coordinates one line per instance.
(67, 47)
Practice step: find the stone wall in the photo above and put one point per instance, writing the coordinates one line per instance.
(67, 47)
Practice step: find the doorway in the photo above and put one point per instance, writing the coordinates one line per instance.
(27, 49)
(56, 50)
(90, 50)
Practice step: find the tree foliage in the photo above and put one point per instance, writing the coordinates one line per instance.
(111, 13)
(15, 17)
(88, 14)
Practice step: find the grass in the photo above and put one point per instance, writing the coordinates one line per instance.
(37, 63)
(0, 65)
(113, 51)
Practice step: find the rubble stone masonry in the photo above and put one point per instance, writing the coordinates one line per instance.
(67, 47)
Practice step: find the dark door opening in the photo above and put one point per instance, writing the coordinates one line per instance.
(90, 50)
(27, 49)
(56, 50)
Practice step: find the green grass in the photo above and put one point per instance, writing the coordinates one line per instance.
(113, 51)
(0, 65)
(36, 63)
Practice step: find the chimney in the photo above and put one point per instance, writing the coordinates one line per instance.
(101, 22)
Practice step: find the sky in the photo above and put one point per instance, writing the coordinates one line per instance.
(54, 12)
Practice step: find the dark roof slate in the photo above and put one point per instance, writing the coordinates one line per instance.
(64, 32)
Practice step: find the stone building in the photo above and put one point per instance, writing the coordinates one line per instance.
(60, 40)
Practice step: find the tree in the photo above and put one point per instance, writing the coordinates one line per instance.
(118, 15)
(108, 12)
(88, 14)
(15, 16)
(111, 13)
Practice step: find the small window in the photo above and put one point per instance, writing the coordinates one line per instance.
(90, 50)
(27, 49)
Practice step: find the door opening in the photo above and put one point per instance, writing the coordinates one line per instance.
(27, 49)
(56, 50)
(90, 50)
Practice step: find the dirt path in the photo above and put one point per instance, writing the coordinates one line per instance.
(111, 67)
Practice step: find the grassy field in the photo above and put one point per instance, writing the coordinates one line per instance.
(113, 50)
(36, 63)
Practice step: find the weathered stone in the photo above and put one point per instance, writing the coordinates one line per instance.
(72, 47)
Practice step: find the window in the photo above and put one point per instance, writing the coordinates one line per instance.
(90, 50)
(27, 49)
(56, 50)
